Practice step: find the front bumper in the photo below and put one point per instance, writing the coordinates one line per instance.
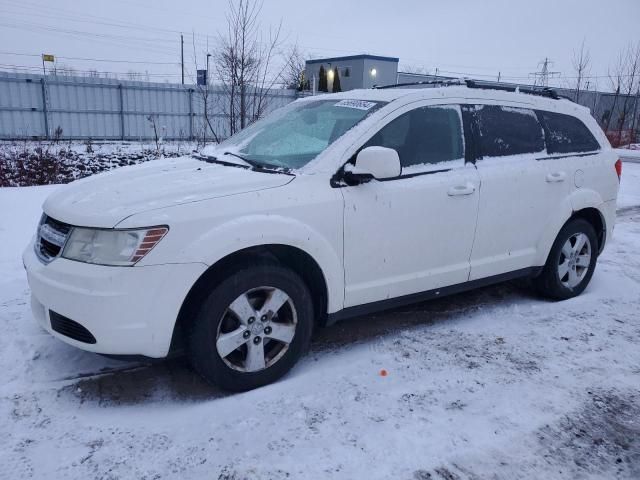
(129, 310)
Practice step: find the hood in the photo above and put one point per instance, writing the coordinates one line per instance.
(106, 199)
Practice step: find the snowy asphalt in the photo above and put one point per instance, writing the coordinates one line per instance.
(494, 383)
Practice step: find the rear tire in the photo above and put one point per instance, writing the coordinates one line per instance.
(571, 261)
(252, 328)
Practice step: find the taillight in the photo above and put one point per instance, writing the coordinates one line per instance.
(619, 168)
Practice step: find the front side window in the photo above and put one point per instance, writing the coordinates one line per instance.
(296, 134)
(503, 131)
(424, 136)
(567, 134)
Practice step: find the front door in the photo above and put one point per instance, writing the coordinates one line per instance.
(415, 232)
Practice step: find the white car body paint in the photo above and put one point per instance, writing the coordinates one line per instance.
(372, 242)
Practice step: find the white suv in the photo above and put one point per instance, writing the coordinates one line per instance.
(334, 206)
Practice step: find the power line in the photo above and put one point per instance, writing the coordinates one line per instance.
(62, 72)
(88, 72)
(87, 18)
(36, 26)
(92, 59)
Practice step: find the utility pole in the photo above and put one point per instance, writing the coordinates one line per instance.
(499, 73)
(544, 74)
(182, 56)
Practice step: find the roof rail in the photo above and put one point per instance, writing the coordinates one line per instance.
(427, 83)
(481, 84)
(530, 90)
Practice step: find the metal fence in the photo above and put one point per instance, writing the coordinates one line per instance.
(40, 107)
(37, 106)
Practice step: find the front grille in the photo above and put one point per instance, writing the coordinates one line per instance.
(51, 238)
(67, 327)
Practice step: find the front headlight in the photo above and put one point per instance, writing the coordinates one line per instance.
(111, 247)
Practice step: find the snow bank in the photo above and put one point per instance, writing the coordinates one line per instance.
(628, 155)
(629, 195)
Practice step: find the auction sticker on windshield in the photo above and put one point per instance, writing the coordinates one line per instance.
(358, 104)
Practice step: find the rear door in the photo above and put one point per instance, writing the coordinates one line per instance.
(572, 152)
(414, 232)
(517, 196)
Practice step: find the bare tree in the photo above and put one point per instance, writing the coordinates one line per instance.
(581, 60)
(204, 92)
(635, 123)
(625, 82)
(414, 69)
(615, 83)
(294, 68)
(245, 63)
(631, 89)
(152, 120)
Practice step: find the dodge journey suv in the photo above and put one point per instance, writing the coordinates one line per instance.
(333, 206)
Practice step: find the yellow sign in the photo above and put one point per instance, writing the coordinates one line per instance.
(48, 58)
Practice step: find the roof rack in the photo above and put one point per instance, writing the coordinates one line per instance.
(481, 84)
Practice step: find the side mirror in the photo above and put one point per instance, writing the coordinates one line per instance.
(374, 162)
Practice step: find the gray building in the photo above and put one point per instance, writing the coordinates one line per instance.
(355, 71)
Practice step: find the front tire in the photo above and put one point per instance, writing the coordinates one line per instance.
(571, 262)
(252, 328)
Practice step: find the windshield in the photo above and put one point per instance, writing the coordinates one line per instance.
(293, 136)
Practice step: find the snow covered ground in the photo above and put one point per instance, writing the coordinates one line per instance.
(629, 195)
(494, 383)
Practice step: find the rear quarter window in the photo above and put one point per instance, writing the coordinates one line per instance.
(567, 134)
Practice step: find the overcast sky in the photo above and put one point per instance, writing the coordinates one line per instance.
(473, 37)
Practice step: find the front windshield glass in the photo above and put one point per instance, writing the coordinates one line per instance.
(293, 136)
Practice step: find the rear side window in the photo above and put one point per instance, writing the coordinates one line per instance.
(424, 136)
(505, 131)
(567, 134)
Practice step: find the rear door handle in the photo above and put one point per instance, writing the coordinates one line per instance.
(556, 177)
(466, 189)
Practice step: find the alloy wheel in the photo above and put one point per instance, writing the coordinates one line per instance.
(575, 259)
(256, 329)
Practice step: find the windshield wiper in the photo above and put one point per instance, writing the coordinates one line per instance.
(212, 159)
(248, 162)
(261, 167)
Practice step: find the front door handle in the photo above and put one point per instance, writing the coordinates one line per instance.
(556, 177)
(466, 189)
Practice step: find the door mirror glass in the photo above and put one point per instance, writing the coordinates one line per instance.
(378, 162)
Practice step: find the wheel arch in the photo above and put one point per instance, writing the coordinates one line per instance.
(289, 256)
(583, 204)
(597, 221)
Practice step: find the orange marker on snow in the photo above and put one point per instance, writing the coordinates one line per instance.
(383, 373)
